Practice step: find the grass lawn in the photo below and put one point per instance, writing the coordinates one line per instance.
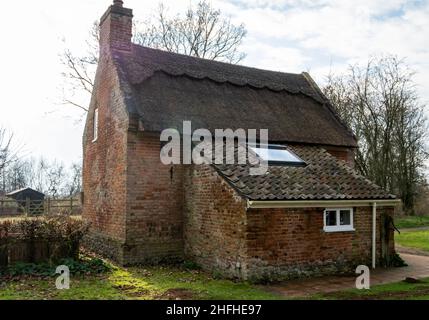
(414, 239)
(412, 221)
(134, 283)
(178, 283)
(391, 291)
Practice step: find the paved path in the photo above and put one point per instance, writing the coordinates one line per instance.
(418, 267)
(412, 251)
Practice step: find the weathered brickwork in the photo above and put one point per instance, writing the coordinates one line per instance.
(154, 203)
(104, 166)
(215, 222)
(105, 160)
(292, 242)
(345, 154)
(116, 29)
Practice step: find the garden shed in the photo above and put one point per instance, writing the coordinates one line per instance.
(26, 193)
(29, 199)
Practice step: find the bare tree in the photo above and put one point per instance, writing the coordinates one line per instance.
(201, 31)
(7, 155)
(380, 103)
(54, 177)
(73, 184)
(17, 175)
(79, 72)
(48, 177)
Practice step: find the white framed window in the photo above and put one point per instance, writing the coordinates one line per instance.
(338, 219)
(277, 154)
(95, 129)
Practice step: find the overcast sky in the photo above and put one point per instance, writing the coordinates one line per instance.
(283, 35)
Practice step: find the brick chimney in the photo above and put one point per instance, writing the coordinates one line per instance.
(116, 28)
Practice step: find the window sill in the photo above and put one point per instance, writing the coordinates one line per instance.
(348, 229)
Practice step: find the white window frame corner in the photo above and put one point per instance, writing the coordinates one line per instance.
(95, 125)
(338, 227)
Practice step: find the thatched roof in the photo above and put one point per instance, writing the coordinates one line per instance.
(164, 89)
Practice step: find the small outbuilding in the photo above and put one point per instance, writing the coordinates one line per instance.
(26, 193)
(28, 198)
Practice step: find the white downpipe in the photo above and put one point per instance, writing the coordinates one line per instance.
(374, 232)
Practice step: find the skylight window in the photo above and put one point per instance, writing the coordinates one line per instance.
(275, 154)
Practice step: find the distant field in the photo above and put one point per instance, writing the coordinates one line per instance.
(412, 221)
(414, 239)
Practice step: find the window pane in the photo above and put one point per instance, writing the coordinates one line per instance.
(95, 124)
(276, 155)
(345, 217)
(331, 218)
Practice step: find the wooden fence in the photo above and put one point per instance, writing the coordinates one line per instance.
(14, 208)
(36, 251)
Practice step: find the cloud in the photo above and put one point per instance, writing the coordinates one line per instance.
(283, 35)
(330, 34)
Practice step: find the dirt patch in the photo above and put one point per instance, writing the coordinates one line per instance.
(131, 290)
(177, 294)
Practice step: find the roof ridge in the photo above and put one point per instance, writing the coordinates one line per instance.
(175, 64)
(185, 56)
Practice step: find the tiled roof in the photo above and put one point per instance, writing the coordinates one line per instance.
(323, 178)
(164, 89)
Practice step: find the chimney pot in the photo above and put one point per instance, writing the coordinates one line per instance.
(118, 3)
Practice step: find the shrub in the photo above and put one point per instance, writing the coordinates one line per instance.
(397, 261)
(56, 227)
(5, 228)
(45, 238)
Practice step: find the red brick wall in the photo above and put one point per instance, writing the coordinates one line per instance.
(133, 202)
(293, 241)
(345, 154)
(215, 222)
(104, 162)
(154, 202)
(116, 29)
